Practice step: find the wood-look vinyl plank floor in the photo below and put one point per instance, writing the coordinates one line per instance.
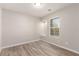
(38, 48)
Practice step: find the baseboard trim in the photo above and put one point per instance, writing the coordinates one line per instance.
(19, 44)
(62, 47)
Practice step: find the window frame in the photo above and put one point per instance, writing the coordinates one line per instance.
(51, 26)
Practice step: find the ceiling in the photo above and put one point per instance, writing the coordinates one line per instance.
(28, 8)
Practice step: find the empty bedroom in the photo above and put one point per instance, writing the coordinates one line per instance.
(39, 29)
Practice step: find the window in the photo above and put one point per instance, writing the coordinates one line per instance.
(55, 26)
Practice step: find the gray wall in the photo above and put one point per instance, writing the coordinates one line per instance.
(18, 28)
(69, 31)
(0, 27)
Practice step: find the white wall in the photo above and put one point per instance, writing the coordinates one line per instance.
(69, 19)
(0, 27)
(18, 28)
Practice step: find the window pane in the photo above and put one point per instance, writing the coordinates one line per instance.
(54, 26)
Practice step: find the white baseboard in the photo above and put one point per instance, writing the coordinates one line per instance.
(62, 47)
(19, 44)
